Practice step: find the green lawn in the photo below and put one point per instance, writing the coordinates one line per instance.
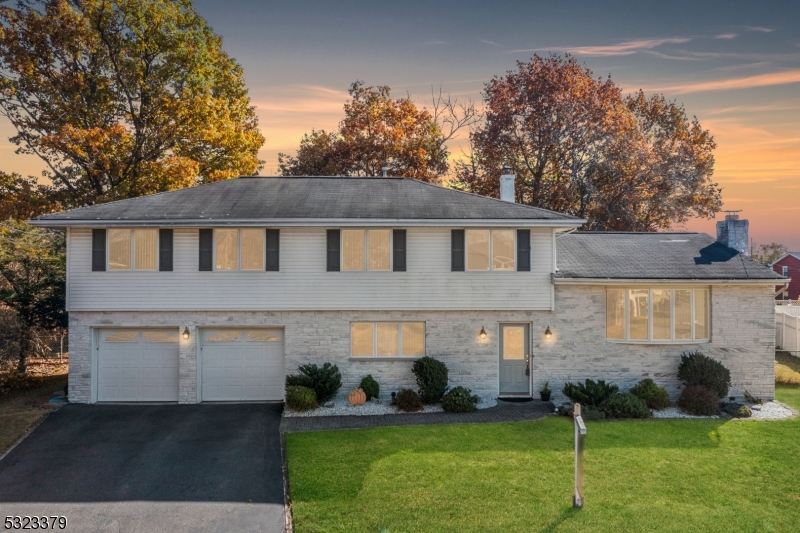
(653, 475)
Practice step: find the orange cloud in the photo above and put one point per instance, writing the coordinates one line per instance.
(624, 48)
(760, 80)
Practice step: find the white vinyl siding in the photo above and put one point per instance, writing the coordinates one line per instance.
(387, 339)
(304, 282)
(662, 315)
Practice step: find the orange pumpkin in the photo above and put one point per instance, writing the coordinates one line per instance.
(357, 397)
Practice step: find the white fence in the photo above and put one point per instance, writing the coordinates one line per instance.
(791, 307)
(787, 331)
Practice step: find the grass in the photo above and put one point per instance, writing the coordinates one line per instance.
(19, 411)
(652, 475)
(787, 369)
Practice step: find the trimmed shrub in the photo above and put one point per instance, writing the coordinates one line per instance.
(370, 387)
(590, 394)
(408, 400)
(325, 380)
(699, 401)
(652, 395)
(431, 379)
(590, 414)
(460, 400)
(625, 405)
(698, 369)
(299, 380)
(744, 412)
(300, 398)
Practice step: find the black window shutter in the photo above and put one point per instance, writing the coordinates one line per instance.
(165, 250)
(98, 250)
(523, 250)
(457, 250)
(273, 250)
(399, 250)
(333, 250)
(206, 249)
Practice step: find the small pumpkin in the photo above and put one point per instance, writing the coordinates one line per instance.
(357, 397)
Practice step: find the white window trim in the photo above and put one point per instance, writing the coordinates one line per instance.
(491, 251)
(785, 271)
(375, 356)
(366, 250)
(672, 339)
(133, 252)
(239, 251)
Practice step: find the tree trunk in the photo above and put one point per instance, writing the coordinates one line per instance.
(24, 348)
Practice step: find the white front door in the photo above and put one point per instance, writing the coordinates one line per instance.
(137, 365)
(514, 358)
(242, 365)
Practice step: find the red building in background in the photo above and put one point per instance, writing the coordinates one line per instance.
(789, 265)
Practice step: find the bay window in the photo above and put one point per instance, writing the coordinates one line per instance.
(387, 339)
(657, 315)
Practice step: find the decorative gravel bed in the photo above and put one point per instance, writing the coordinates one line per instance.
(343, 408)
(768, 411)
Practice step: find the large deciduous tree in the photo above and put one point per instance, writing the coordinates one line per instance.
(577, 146)
(380, 131)
(122, 98)
(32, 280)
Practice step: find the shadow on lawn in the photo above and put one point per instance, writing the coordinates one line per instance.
(568, 513)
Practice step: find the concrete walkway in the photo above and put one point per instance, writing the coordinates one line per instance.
(502, 412)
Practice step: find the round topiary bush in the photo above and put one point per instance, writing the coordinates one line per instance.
(460, 400)
(652, 395)
(300, 398)
(625, 405)
(370, 387)
(698, 369)
(431, 379)
(408, 400)
(699, 401)
(744, 412)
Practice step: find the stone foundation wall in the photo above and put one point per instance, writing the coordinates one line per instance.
(743, 338)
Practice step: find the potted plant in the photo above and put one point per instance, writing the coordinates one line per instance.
(544, 392)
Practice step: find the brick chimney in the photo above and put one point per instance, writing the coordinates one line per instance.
(733, 232)
(507, 192)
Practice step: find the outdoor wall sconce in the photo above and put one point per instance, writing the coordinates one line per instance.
(548, 334)
(186, 334)
(483, 333)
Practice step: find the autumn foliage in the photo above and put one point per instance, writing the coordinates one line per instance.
(122, 98)
(578, 146)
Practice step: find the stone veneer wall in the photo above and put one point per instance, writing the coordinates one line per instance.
(743, 338)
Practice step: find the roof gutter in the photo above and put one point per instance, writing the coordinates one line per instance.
(649, 281)
(310, 222)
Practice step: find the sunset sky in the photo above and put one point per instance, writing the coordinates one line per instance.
(735, 65)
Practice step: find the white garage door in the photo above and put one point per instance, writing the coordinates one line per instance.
(137, 365)
(242, 365)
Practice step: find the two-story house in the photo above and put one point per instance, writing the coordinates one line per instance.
(788, 266)
(215, 292)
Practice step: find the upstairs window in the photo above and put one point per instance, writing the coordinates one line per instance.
(785, 271)
(135, 249)
(239, 249)
(367, 249)
(657, 315)
(491, 249)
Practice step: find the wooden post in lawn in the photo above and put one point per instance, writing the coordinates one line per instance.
(580, 431)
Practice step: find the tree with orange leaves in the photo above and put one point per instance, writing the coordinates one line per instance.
(121, 98)
(380, 131)
(578, 146)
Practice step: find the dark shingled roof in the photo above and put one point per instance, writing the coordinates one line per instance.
(612, 255)
(308, 197)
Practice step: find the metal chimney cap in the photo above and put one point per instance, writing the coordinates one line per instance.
(385, 171)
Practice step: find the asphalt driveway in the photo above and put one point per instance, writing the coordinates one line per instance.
(150, 468)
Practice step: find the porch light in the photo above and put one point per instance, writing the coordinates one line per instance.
(186, 334)
(548, 334)
(483, 333)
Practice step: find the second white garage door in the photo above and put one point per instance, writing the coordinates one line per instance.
(241, 365)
